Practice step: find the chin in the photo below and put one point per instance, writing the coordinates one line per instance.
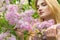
(42, 16)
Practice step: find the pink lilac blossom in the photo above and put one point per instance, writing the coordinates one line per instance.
(35, 21)
(12, 18)
(2, 9)
(51, 21)
(27, 15)
(45, 24)
(29, 12)
(11, 15)
(28, 19)
(3, 35)
(7, 1)
(12, 8)
(23, 25)
(12, 37)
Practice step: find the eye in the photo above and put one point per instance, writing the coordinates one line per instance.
(43, 4)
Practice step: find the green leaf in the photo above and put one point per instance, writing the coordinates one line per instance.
(32, 3)
(35, 15)
(25, 34)
(25, 7)
(13, 1)
(58, 1)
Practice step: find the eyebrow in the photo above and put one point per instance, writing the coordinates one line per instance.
(42, 2)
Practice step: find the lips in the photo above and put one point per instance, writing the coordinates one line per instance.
(41, 13)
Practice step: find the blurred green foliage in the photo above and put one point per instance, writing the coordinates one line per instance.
(58, 1)
(5, 24)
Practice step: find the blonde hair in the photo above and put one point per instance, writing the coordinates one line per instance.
(55, 8)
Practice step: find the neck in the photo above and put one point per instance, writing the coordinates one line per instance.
(47, 18)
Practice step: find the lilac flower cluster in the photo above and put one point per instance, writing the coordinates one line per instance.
(45, 24)
(5, 35)
(26, 20)
(22, 20)
(11, 15)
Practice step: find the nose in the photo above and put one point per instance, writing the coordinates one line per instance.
(40, 9)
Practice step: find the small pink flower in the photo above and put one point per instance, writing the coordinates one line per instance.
(51, 22)
(11, 15)
(29, 12)
(46, 24)
(12, 37)
(12, 18)
(12, 8)
(2, 9)
(3, 35)
(7, 1)
(23, 25)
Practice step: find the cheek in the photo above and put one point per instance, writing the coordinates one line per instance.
(47, 11)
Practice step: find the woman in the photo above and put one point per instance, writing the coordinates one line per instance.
(49, 9)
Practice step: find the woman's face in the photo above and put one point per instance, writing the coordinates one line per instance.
(43, 9)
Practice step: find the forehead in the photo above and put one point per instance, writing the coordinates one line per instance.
(40, 1)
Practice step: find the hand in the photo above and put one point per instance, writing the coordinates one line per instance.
(18, 32)
(51, 31)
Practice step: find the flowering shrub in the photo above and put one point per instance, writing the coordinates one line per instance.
(45, 24)
(19, 14)
(7, 36)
